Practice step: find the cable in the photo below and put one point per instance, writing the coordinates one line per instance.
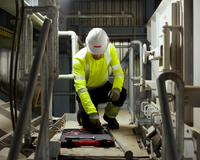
(11, 63)
(59, 129)
(16, 60)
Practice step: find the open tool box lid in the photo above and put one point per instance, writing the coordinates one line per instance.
(85, 137)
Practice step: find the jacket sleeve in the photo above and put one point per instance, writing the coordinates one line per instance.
(79, 66)
(116, 69)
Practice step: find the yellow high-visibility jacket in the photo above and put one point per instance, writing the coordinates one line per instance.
(90, 74)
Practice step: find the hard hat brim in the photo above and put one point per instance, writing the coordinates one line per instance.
(101, 50)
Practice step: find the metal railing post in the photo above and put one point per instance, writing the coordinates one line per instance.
(173, 151)
(28, 95)
(45, 106)
(132, 92)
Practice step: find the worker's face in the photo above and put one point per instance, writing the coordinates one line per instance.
(97, 56)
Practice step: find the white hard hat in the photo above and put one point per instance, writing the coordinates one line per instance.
(97, 41)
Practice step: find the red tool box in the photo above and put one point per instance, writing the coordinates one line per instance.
(85, 137)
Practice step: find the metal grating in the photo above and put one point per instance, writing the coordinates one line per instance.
(4, 32)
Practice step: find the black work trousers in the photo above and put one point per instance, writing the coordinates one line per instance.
(99, 95)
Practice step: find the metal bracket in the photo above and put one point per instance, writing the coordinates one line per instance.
(146, 85)
(154, 54)
(173, 28)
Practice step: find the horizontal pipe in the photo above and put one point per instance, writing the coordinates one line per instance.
(41, 16)
(98, 16)
(48, 8)
(72, 34)
(122, 46)
(74, 38)
(67, 33)
(66, 76)
(37, 19)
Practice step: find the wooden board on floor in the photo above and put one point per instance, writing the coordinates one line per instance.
(86, 150)
(124, 135)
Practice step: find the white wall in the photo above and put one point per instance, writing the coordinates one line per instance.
(196, 40)
(196, 60)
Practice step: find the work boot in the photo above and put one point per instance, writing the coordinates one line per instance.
(112, 122)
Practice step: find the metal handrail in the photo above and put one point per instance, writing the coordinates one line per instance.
(132, 91)
(28, 96)
(173, 151)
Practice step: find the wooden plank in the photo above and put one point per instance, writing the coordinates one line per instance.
(124, 134)
(86, 150)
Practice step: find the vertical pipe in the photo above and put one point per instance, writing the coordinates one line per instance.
(174, 38)
(178, 38)
(37, 151)
(50, 57)
(188, 42)
(164, 148)
(29, 45)
(44, 102)
(131, 91)
(28, 56)
(166, 119)
(43, 121)
(198, 146)
(141, 60)
(166, 116)
(23, 48)
(166, 48)
(28, 95)
(73, 38)
(55, 14)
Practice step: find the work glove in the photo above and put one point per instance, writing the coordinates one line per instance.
(114, 94)
(94, 119)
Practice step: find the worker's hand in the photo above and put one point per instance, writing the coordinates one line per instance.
(114, 94)
(94, 119)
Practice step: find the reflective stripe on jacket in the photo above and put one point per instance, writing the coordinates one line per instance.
(111, 110)
(90, 73)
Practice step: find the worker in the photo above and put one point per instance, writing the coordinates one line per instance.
(91, 80)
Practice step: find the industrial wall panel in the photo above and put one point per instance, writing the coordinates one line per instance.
(61, 85)
(112, 7)
(61, 105)
(63, 92)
